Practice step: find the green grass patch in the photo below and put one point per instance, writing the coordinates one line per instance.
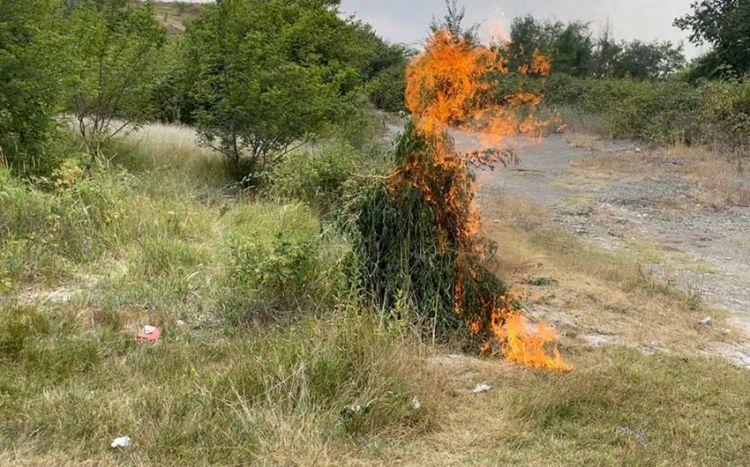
(267, 355)
(634, 410)
(198, 396)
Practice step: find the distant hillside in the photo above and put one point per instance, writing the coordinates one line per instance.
(174, 15)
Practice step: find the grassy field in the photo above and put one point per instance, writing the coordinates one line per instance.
(264, 357)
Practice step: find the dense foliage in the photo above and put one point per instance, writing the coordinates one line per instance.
(33, 76)
(113, 56)
(255, 77)
(268, 74)
(574, 51)
(713, 112)
(725, 25)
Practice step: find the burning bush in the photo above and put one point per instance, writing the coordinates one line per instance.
(405, 253)
(418, 230)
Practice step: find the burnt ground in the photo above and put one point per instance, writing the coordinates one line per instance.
(625, 197)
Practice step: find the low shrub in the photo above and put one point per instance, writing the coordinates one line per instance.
(317, 176)
(661, 112)
(276, 274)
(388, 88)
(282, 263)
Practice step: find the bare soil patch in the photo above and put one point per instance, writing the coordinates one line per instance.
(653, 246)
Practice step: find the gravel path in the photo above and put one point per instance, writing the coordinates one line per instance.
(623, 197)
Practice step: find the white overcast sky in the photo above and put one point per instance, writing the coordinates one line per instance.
(407, 20)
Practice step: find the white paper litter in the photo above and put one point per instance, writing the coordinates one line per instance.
(481, 388)
(706, 321)
(121, 442)
(416, 404)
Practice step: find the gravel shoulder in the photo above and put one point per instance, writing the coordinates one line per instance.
(625, 197)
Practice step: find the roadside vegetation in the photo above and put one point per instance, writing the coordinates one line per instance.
(646, 91)
(199, 176)
(715, 114)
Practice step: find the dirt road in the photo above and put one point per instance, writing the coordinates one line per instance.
(625, 197)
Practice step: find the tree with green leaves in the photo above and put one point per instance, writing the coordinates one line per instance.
(570, 46)
(170, 84)
(725, 25)
(655, 60)
(606, 51)
(573, 50)
(33, 68)
(453, 21)
(268, 74)
(381, 65)
(114, 46)
(526, 36)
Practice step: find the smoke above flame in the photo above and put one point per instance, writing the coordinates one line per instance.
(458, 83)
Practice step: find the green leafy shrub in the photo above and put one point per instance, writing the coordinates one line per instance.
(363, 129)
(662, 112)
(284, 263)
(278, 273)
(726, 109)
(287, 77)
(388, 89)
(318, 175)
(33, 79)
(114, 48)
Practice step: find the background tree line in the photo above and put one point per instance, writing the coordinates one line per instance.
(255, 77)
(258, 77)
(575, 50)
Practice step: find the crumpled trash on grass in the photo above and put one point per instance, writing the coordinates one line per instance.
(148, 334)
(353, 410)
(416, 404)
(482, 388)
(121, 442)
(639, 434)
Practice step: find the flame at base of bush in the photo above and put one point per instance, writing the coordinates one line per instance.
(518, 340)
(532, 345)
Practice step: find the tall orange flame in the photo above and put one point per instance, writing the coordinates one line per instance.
(456, 82)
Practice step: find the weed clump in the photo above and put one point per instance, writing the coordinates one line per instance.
(414, 249)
